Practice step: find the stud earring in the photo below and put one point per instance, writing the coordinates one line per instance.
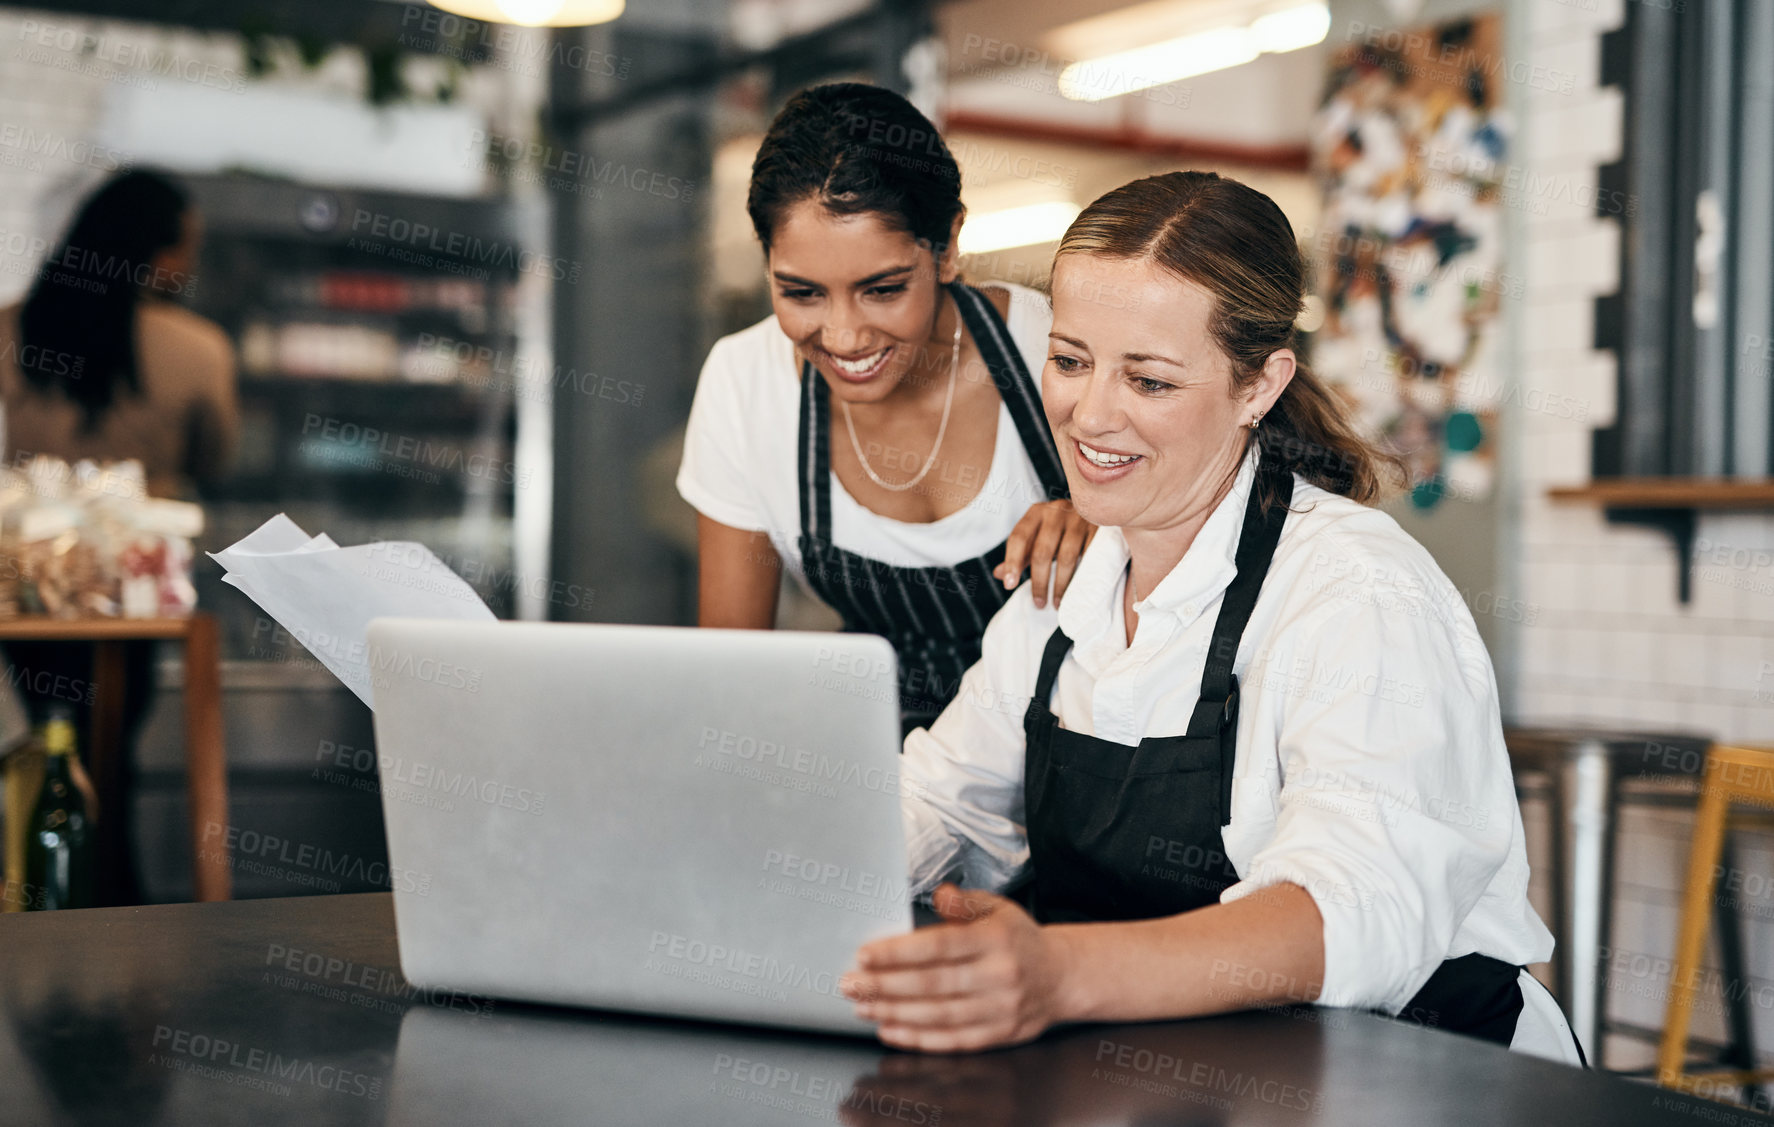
(1256, 420)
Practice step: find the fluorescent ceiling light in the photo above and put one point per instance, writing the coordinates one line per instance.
(1145, 67)
(1017, 226)
(1198, 52)
(535, 13)
(1291, 28)
(1151, 22)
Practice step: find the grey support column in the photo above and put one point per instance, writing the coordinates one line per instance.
(1751, 323)
(629, 328)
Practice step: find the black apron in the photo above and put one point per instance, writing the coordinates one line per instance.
(933, 616)
(1129, 833)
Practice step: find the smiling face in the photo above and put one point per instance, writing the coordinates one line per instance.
(858, 297)
(1139, 395)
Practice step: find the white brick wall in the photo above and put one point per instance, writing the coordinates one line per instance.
(1613, 642)
(46, 100)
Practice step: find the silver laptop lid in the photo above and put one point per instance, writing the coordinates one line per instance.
(702, 823)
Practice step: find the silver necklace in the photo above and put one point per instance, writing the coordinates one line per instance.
(942, 429)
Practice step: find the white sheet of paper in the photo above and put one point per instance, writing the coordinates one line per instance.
(325, 595)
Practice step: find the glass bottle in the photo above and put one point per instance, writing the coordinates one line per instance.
(58, 849)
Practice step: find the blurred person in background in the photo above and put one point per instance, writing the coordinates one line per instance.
(99, 362)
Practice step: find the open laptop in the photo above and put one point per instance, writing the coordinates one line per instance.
(698, 823)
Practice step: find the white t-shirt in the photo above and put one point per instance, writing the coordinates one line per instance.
(740, 455)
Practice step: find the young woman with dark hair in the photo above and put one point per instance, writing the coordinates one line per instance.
(99, 362)
(1262, 760)
(881, 434)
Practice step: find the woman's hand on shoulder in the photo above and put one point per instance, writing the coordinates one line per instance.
(986, 977)
(1048, 541)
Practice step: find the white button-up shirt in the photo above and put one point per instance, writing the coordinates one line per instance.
(1370, 770)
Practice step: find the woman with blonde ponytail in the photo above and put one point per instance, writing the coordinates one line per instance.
(1261, 759)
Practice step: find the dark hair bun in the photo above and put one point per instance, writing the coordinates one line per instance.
(856, 148)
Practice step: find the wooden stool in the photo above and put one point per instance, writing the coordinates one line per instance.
(206, 772)
(1738, 774)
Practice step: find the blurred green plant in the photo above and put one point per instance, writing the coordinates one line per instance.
(385, 80)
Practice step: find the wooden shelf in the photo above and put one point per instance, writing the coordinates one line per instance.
(40, 628)
(1671, 493)
(1672, 506)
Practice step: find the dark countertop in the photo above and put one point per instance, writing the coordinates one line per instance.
(272, 1012)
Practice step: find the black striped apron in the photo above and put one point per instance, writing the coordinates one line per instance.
(933, 616)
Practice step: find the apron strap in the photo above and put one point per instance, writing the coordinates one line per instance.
(1216, 710)
(815, 456)
(1016, 387)
(1256, 547)
(1058, 645)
